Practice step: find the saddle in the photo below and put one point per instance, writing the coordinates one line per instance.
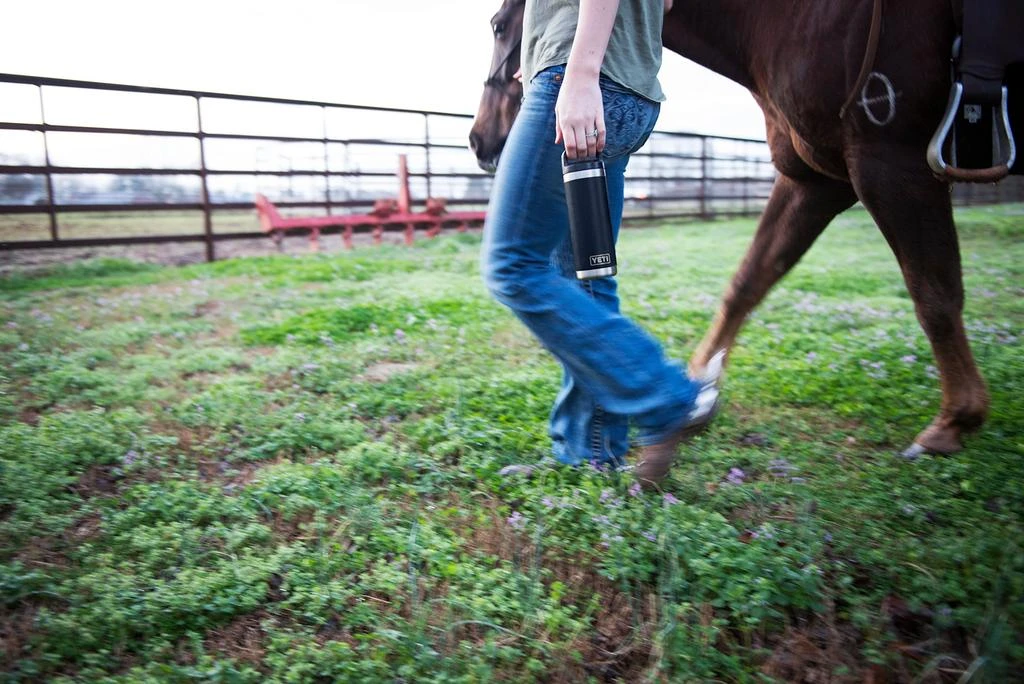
(975, 141)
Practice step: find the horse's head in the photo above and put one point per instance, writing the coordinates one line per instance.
(502, 93)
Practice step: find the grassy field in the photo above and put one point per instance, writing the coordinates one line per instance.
(285, 469)
(72, 226)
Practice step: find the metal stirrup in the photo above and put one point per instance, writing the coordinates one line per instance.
(1004, 149)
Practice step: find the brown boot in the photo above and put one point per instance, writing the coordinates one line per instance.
(656, 459)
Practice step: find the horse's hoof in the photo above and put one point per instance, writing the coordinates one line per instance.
(913, 452)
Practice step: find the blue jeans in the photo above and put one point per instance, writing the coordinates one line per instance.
(614, 372)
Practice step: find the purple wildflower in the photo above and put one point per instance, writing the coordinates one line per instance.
(547, 502)
(650, 536)
(130, 457)
(908, 359)
(669, 499)
(606, 494)
(736, 476)
(635, 489)
(516, 521)
(400, 335)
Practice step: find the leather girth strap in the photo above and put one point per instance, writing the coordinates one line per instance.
(874, 35)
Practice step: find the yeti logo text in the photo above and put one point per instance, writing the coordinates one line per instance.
(600, 260)
(972, 113)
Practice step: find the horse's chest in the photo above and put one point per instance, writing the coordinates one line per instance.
(827, 160)
(797, 146)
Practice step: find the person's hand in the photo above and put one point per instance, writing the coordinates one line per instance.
(579, 116)
(518, 75)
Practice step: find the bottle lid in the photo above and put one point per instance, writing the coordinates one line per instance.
(586, 164)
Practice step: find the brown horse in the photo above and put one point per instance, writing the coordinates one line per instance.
(801, 61)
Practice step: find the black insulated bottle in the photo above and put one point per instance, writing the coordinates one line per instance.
(590, 221)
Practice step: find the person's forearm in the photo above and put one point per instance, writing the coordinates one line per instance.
(592, 33)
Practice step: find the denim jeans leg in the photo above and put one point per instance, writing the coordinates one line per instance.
(582, 431)
(619, 365)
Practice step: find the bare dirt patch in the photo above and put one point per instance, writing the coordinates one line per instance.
(43, 553)
(384, 371)
(97, 480)
(16, 628)
(85, 528)
(29, 416)
(242, 639)
(234, 475)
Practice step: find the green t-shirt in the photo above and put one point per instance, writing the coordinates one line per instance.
(633, 57)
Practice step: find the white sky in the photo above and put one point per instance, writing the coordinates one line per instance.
(419, 54)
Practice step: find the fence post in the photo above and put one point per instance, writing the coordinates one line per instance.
(748, 195)
(651, 196)
(207, 217)
(426, 147)
(705, 183)
(51, 204)
(327, 163)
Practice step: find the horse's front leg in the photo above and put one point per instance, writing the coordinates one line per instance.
(914, 212)
(798, 211)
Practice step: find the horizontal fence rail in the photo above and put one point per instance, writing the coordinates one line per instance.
(92, 164)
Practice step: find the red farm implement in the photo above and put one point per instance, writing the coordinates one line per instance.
(387, 214)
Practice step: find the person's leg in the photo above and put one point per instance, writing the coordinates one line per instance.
(621, 367)
(581, 430)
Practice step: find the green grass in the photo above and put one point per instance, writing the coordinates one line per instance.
(285, 469)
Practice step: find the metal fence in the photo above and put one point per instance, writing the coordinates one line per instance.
(72, 149)
(87, 164)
